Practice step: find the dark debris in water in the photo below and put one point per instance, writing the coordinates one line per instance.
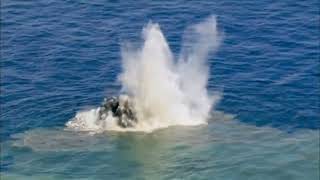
(121, 108)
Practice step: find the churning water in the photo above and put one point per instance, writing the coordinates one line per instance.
(164, 91)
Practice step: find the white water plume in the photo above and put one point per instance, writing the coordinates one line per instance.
(164, 91)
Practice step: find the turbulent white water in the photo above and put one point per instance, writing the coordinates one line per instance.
(164, 91)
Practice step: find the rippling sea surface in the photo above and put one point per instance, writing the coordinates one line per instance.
(59, 57)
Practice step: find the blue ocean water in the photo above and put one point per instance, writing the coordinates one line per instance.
(59, 57)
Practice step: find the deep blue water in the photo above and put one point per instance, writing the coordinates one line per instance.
(58, 57)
